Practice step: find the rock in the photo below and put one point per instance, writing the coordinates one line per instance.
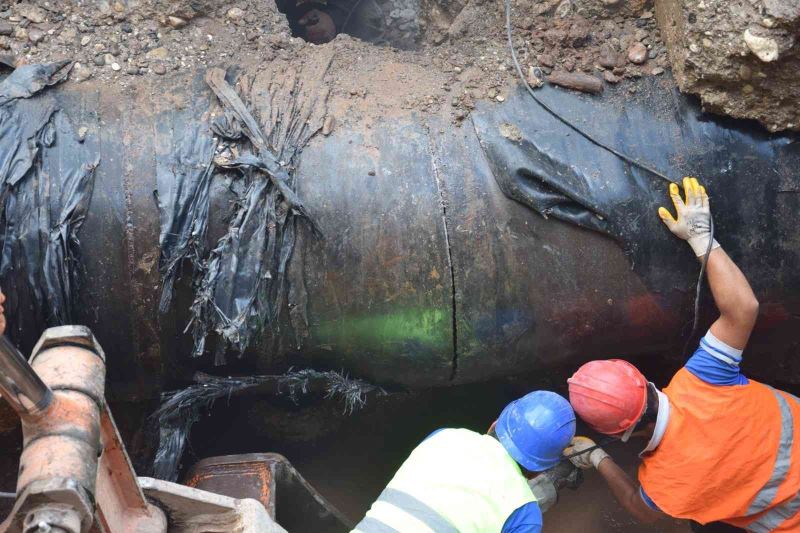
(68, 35)
(235, 13)
(328, 125)
(637, 53)
(159, 68)
(564, 9)
(500, 98)
(159, 53)
(35, 36)
(80, 73)
(547, 60)
(82, 131)
(576, 80)
(579, 34)
(611, 78)
(109, 58)
(85, 40)
(115, 67)
(745, 72)
(99, 60)
(6, 28)
(176, 22)
(569, 64)
(132, 70)
(608, 57)
(21, 34)
(534, 80)
(127, 27)
(765, 48)
(611, 2)
(656, 71)
(510, 131)
(31, 12)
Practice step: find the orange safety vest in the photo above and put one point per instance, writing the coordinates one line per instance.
(730, 454)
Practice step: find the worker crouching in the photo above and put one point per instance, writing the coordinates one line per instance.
(458, 480)
(720, 446)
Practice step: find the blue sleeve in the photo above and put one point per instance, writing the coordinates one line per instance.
(646, 499)
(716, 363)
(525, 519)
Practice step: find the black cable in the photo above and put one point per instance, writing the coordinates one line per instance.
(617, 153)
(703, 263)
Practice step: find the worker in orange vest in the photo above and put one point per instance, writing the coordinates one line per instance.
(721, 446)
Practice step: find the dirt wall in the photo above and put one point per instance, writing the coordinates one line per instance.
(739, 56)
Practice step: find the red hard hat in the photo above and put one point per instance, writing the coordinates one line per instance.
(609, 395)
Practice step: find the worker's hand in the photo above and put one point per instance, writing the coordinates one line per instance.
(694, 216)
(319, 26)
(588, 459)
(2, 313)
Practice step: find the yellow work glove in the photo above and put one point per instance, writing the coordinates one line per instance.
(694, 216)
(585, 460)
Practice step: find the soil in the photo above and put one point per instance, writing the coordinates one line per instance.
(740, 57)
(460, 54)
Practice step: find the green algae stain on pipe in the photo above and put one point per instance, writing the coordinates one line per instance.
(425, 329)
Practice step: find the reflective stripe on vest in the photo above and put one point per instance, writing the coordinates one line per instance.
(409, 504)
(782, 461)
(776, 516)
(454, 481)
(373, 525)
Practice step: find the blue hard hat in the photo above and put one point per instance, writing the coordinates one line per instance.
(536, 428)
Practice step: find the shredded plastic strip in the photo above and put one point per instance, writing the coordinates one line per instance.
(181, 409)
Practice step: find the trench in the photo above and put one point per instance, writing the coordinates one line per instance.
(350, 459)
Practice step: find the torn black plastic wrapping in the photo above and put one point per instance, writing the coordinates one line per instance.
(183, 202)
(181, 409)
(240, 285)
(47, 179)
(541, 163)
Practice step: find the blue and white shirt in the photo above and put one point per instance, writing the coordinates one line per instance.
(714, 362)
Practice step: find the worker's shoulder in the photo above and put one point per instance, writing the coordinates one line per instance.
(462, 431)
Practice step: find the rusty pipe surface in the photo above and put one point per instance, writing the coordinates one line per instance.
(20, 385)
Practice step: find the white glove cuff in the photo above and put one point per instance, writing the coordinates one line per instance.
(700, 245)
(597, 456)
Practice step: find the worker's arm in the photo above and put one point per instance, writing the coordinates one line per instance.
(735, 300)
(738, 306)
(584, 453)
(626, 491)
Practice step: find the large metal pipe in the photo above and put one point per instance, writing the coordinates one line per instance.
(21, 387)
(429, 274)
